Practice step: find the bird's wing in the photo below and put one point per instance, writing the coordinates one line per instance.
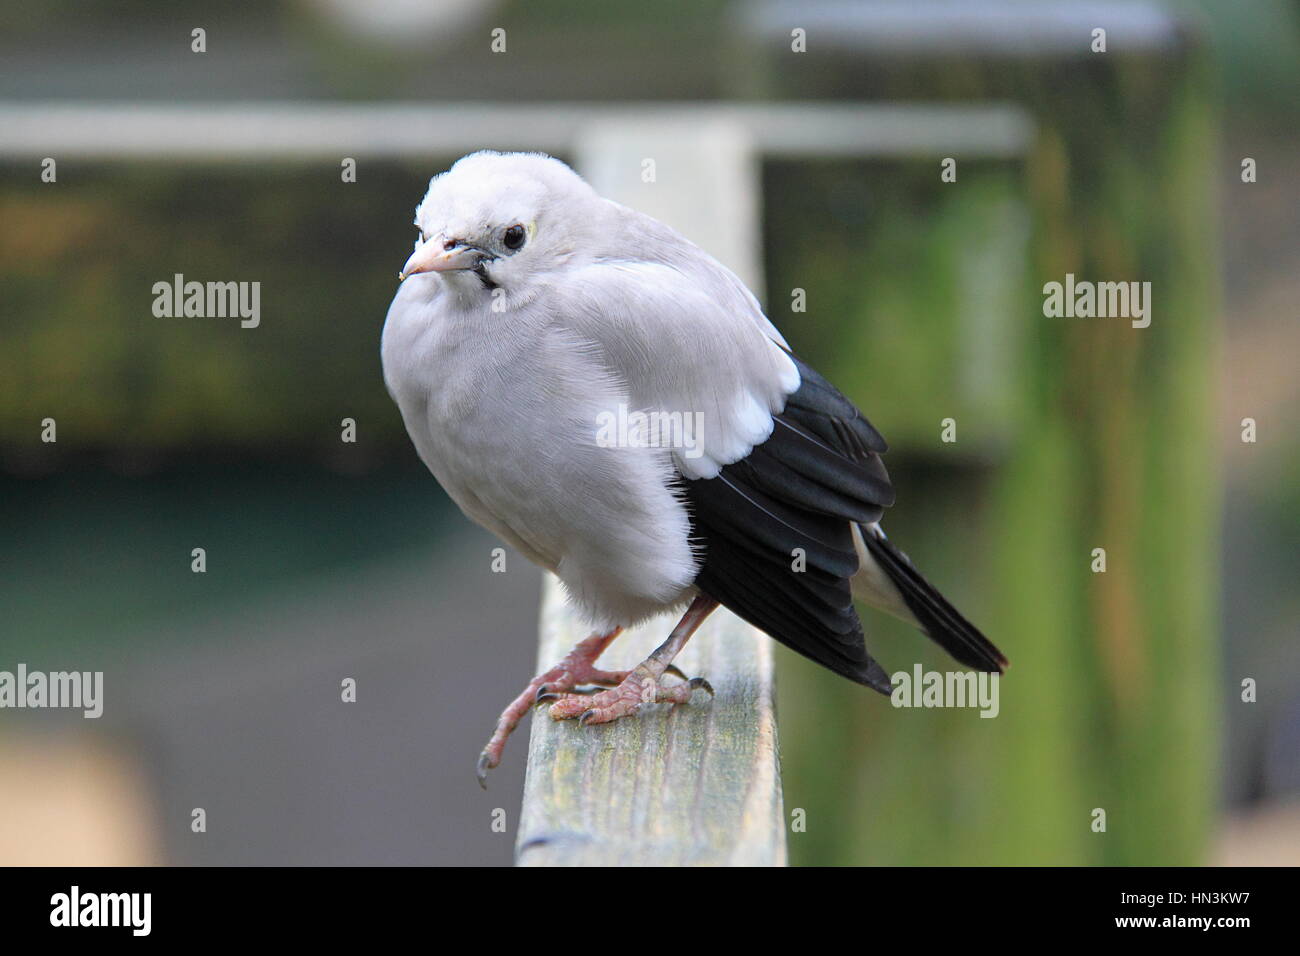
(777, 528)
(788, 463)
(685, 345)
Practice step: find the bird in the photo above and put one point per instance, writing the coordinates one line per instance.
(532, 313)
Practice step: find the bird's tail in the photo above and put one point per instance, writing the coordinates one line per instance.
(930, 610)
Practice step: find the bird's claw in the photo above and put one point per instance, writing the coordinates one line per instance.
(578, 667)
(550, 696)
(623, 700)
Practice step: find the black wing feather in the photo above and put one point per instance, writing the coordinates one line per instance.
(801, 489)
(800, 492)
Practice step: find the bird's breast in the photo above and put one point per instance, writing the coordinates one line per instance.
(508, 421)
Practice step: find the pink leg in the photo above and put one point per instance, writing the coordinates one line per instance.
(577, 668)
(644, 685)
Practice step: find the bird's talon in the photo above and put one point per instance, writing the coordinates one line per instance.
(481, 770)
(586, 715)
(699, 683)
(675, 671)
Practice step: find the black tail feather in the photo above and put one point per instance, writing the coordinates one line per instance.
(940, 620)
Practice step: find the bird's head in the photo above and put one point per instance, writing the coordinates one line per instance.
(497, 220)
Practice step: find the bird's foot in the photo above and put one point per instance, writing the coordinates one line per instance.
(577, 669)
(641, 686)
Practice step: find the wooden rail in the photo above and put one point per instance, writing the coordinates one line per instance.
(293, 131)
(694, 784)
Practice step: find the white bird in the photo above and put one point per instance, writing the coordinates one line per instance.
(534, 312)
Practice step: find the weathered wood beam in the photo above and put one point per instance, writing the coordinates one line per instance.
(694, 784)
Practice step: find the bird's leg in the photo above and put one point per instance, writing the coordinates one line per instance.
(643, 685)
(577, 668)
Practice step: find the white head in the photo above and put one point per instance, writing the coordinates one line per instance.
(496, 220)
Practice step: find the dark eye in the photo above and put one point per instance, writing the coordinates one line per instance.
(514, 237)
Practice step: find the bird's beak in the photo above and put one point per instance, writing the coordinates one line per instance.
(442, 255)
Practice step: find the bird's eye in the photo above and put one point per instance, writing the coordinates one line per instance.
(514, 237)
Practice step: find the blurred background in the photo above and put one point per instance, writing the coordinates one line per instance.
(329, 560)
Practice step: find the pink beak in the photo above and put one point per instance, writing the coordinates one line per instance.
(441, 255)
